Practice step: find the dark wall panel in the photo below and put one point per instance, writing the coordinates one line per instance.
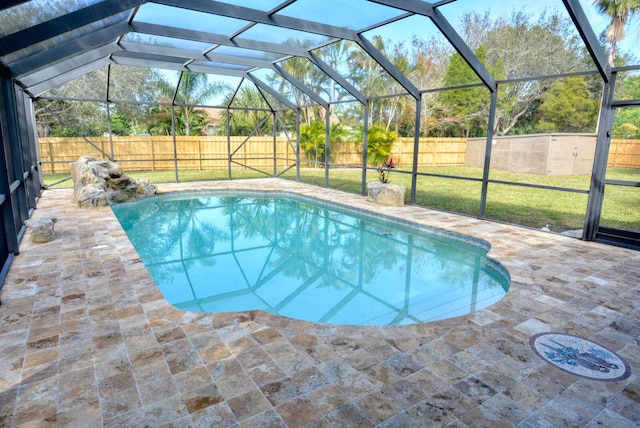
(20, 183)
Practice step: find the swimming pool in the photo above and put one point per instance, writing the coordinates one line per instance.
(221, 251)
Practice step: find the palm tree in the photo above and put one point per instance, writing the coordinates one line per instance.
(310, 76)
(619, 11)
(249, 114)
(313, 139)
(372, 80)
(195, 89)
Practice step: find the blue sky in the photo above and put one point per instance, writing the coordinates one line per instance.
(499, 8)
(421, 27)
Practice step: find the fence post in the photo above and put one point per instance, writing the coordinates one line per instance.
(52, 166)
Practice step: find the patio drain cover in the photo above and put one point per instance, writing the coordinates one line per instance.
(580, 357)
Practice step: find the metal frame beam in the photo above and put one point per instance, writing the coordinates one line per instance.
(42, 76)
(148, 58)
(11, 3)
(170, 63)
(464, 50)
(382, 60)
(598, 174)
(68, 51)
(192, 55)
(413, 6)
(260, 17)
(216, 39)
(337, 77)
(589, 38)
(425, 9)
(487, 155)
(40, 88)
(142, 48)
(301, 86)
(238, 60)
(65, 23)
(275, 94)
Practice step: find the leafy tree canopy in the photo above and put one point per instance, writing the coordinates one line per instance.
(568, 106)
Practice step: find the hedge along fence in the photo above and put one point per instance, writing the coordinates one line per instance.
(152, 153)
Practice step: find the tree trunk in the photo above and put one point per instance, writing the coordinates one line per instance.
(187, 124)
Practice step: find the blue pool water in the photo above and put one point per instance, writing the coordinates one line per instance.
(306, 259)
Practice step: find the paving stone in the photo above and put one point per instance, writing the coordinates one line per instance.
(88, 339)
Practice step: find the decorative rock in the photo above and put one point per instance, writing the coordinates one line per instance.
(98, 182)
(42, 229)
(92, 196)
(146, 187)
(575, 233)
(386, 193)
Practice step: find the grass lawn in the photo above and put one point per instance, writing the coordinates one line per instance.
(506, 203)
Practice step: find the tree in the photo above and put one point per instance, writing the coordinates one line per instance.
(515, 48)
(626, 122)
(250, 112)
(336, 55)
(139, 84)
(379, 143)
(619, 11)
(194, 89)
(311, 77)
(64, 118)
(29, 13)
(313, 139)
(393, 110)
(463, 112)
(526, 50)
(568, 106)
(369, 78)
(120, 125)
(300, 69)
(159, 120)
(61, 118)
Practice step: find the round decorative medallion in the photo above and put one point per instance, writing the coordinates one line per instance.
(580, 357)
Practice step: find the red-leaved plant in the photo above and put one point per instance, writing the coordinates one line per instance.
(385, 170)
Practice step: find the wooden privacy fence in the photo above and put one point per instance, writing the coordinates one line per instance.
(433, 151)
(624, 153)
(155, 153)
(152, 153)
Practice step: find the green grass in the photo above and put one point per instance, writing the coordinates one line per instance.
(506, 203)
(162, 176)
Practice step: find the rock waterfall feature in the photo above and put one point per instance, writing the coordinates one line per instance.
(99, 182)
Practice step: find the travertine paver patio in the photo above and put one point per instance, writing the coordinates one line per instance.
(88, 340)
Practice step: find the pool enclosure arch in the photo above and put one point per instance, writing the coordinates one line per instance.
(272, 47)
